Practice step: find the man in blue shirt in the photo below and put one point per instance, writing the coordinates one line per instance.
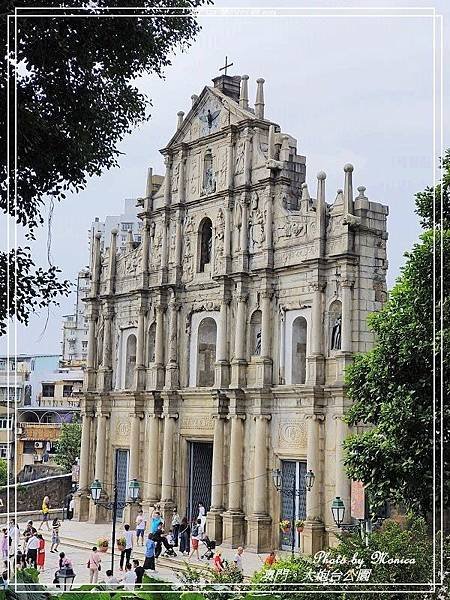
(149, 562)
(155, 522)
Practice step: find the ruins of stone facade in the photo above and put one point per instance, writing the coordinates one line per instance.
(217, 346)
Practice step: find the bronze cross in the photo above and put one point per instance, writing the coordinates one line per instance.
(225, 67)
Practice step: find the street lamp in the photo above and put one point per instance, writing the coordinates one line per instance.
(338, 511)
(364, 526)
(293, 493)
(133, 494)
(65, 577)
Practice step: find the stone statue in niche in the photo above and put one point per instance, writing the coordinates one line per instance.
(222, 175)
(257, 235)
(336, 333)
(188, 256)
(176, 177)
(209, 182)
(238, 223)
(258, 343)
(157, 246)
(99, 336)
(219, 242)
(193, 179)
(239, 161)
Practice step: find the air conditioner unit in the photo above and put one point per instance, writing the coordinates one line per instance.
(19, 430)
(38, 444)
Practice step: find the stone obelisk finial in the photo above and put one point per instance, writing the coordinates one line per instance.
(259, 104)
(243, 97)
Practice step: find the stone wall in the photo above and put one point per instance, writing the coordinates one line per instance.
(30, 495)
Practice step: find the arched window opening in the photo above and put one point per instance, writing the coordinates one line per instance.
(151, 343)
(255, 333)
(299, 331)
(206, 352)
(130, 361)
(335, 325)
(205, 237)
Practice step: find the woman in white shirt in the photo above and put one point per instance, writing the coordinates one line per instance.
(129, 579)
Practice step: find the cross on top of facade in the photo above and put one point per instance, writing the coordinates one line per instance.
(226, 65)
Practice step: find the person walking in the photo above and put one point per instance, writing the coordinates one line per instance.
(156, 521)
(14, 537)
(196, 536)
(41, 553)
(64, 561)
(140, 572)
(129, 579)
(125, 555)
(56, 524)
(94, 565)
(202, 515)
(176, 522)
(184, 535)
(5, 547)
(45, 512)
(141, 525)
(32, 549)
(71, 508)
(238, 559)
(149, 562)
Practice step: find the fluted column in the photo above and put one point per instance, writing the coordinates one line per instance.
(239, 348)
(145, 267)
(90, 364)
(346, 338)
(217, 466)
(235, 473)
(182, 181)
(172, 378)
(167, 180)
(112, 261)
(248, 156)
(266, 325)
(96, 265)
(313, 464)
(243, 242)
(84, 452)
(222, 333)
(107, 340)
(100, 448)
(153, 488)
(317, 321)
(140, 343)
(269, 223)
(167, 466)
(260, 466)
(178, 240)
(135, 445)
(343, 485)
(159, 335)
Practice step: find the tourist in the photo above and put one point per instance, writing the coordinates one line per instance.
(141, 526)
(41, 553)
(110, 579)
(56, 524)
(27, 533)
(14, 537)
(129, 579)
(271, 559)
(176, 522)
(156, 521)
(149, 562)
(71, 508)
(196, 536)
(202, 514)
(218, 562)
(64, 561)
(45, 512)
(93, 565)
(32, 548)
(238, 559)
(5, 547)
(125, 555)
(140, 572)
(185, 534)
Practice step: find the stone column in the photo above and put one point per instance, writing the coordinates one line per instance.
(227, 238)
(315, 360)
(153, 493)
(312, 537)
(233, 518)
(164, 248)
(343, 484)
(182, 180)
(282, 344)
(167, 180)
(145, 266)
(131, 510)
(248, 135)
(158, 366)
(82, 495)
(98, 514)
(112, 261)
(172, 374)
(214, 518)
(264, 363)
(104, 377)
(346, 339)
(96, 266)
(244, 229)
(178, 246)
(239, 365)
(259, 533)
(167, 456)
(90, 373)
(140, 350)
(222, 368)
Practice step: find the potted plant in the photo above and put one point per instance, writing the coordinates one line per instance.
(285, 525)
(299, 525)
(121, 543)
(102, 544)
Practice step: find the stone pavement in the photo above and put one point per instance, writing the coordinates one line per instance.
(78, 538)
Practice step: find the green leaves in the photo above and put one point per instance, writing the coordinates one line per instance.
(68, 448)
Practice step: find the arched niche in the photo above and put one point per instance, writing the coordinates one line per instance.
(255, 333)
(151, 344)
(130, 361)
(335, 325)
(206, 352)
(204, 244)
(298, 356)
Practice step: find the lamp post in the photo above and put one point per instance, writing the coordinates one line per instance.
(114, 505)
(364, 526)
(65, 577)
(293, 493)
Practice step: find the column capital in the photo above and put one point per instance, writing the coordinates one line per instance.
(338, 416)
(171, 415)
(242, 297)
(318, 418)
(236, 416)
(102, 413)
(87, 414)
(136, 415)
(168, 161)
(348, 283)
(317, 286)
(262, 418)
(267, 294)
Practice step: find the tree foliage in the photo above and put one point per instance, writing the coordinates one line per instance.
(76, 100)
(395, 387)
(3, 472)
(68, 447)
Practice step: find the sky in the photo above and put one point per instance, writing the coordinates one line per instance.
(350, 86)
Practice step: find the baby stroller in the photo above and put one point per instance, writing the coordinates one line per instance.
(210, 547)
(169, 551)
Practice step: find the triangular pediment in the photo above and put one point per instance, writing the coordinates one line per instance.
(223, 111)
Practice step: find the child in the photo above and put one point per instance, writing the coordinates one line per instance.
(55, 535)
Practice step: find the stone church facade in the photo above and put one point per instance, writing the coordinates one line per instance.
(217, 345)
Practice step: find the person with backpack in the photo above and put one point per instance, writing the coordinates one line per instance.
(185, 534)
(196, 536)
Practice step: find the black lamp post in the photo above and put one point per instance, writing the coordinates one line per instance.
(364, 526)
(293, 493)
(114, 505)
(65, 577)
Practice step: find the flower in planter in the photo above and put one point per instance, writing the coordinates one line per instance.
(121, 542)
(299, 525)
(102, 542)
(285, 525)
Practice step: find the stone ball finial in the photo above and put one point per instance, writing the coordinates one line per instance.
(98, 235)
(245, 77)
(321, 175)
(340, 191)
(304, 185)
(194, 98)
(348, 168)
(361, 189)
(180, 114)
(114, 231)
(260, 80)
